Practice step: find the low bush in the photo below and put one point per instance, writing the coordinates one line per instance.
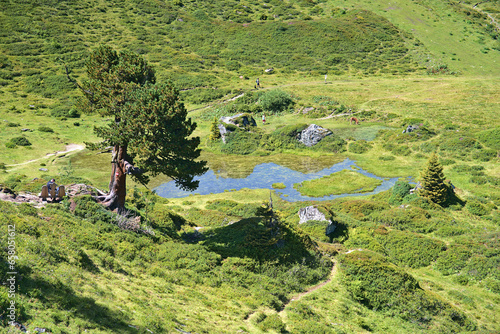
(490, 138)
(400, 190)
(241, 142)
(359, 147)
(330, 144)
(406, 219)
(409, 249)
(275, 101)
(453, 260)
(228, 207)
(45, 129)
(476, 208)
(380, 285)
(20, 141)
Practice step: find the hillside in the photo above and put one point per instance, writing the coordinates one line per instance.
(214, 263)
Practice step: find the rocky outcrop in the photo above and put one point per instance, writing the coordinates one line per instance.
(223, 131)
(310, 213)
(240, 120)
(313, 134)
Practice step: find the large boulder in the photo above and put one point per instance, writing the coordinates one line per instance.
(313, 134)
(310, 213)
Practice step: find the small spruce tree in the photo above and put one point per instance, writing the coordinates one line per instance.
(433, 186)
(214, 130)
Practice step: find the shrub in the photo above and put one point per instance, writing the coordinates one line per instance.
(453, 260)
(359, 147)
(380, 285)
(12, 125)
(10, 144)
(485, 155)
(409, 249)
(270, 322)
(45, 129)
(275, 101)
(490, 138)
(399, 191)
(241, 142)
(20, 141)
(477, 208)
(460, 145)
(331, 144)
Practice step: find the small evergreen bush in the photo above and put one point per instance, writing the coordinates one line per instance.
(20, 141)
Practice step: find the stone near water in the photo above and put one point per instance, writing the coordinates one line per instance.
(310, 213)
(313, 134)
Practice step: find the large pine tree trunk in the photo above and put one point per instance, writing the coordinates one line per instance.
(115, 200)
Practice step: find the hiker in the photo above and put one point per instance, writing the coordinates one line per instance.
(51, 191)
(50, 184)
(263, 119)
(257, 83)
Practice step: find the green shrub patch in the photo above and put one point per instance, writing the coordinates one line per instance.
(409, 249)
(380, 285)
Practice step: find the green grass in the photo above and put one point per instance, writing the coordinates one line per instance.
(343, 182)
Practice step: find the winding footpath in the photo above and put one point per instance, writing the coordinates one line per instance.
(69, 148)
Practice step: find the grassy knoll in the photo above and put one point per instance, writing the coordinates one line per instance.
(343, 182)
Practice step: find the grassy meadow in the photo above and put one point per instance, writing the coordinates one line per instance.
(396, 262)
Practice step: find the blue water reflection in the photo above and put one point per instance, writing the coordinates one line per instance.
(264, 175)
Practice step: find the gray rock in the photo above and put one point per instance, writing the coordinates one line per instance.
(311, 213)
(239, 120)
(330, 228)
(43, 169)
(222, 131)
(313, 134)
(307, 110)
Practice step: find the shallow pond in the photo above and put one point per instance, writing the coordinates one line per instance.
(266, 174)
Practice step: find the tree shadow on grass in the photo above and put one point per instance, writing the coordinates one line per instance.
(60, 297)
(253, 238)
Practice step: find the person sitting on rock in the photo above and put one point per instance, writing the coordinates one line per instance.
(50, 184)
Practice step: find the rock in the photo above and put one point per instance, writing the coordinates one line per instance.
(418, 186)
(240, 120)
(313, 134)
(269, 70)
(222, 131)
(306, 110)
(330, 228)
(43, 169)
(25, 129)
(311, 213)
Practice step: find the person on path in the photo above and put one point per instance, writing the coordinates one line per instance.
(263, 119)
(257, 82)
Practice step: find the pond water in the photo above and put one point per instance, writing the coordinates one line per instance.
(264, 175)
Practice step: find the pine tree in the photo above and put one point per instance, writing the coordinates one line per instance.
(214, 130)
(149, 131)
(433, 186)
